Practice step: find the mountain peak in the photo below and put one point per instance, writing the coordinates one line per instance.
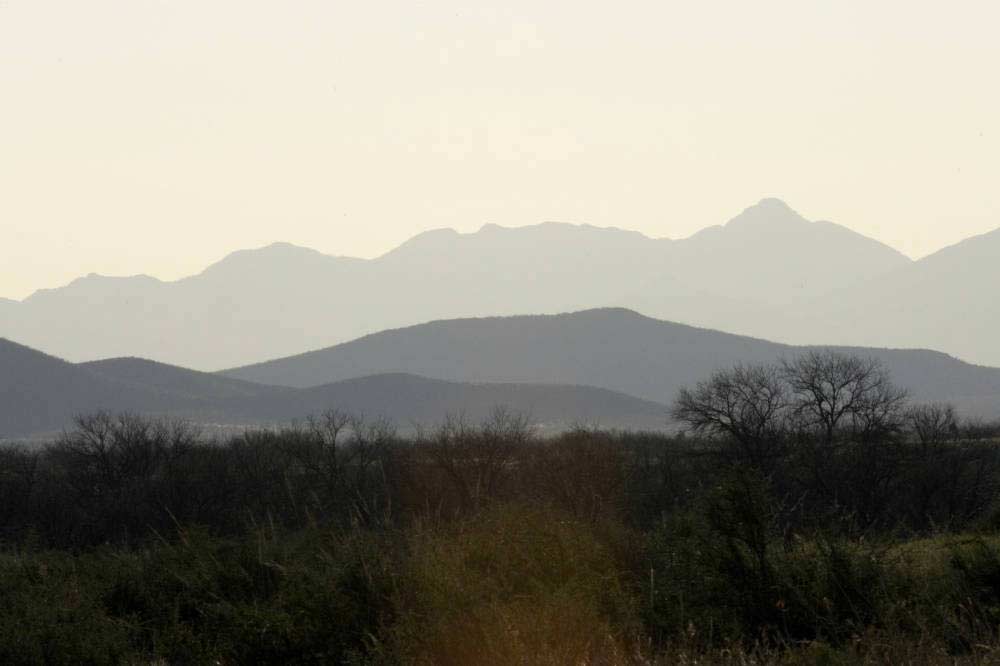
(773, 203)
(280, 253)
(279, 248)
(769, 212)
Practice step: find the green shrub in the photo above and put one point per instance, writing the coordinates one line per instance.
(51, 613)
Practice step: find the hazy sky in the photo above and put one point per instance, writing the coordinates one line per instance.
(158, 135)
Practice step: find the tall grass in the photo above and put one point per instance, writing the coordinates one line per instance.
(484, 546)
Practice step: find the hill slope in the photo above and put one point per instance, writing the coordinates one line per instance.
(612, 348)
(41, 394)
(401, 397)
(408, 399)
(176, 380)
(947, 300)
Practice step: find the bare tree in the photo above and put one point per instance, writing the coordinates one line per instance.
(833, 392)
(582, 471)
(18, 476)
(847, 414)
(369, 447)
(116, 465)
(477, 460)
(315, 447)
(931, 425)
(745, 408)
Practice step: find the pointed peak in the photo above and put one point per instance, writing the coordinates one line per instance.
(768, 212)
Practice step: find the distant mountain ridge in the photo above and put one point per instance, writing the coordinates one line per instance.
(611, 348)
(947, 300)
(608, 366)
(173, 379)
(40, 394)
(768, 272)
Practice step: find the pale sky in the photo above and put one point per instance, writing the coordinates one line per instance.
(156, 136)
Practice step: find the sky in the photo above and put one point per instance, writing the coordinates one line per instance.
(156, 136)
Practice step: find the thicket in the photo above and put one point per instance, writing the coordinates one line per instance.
(135, 540)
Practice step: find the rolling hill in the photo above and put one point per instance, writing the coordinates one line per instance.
(609, 366)
(611, 348)
(408, 399)
(40, 394)
(176, 380)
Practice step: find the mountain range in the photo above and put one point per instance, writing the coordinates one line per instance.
(768, 272)
(612, 367)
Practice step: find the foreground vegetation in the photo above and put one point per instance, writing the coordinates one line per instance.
(757, 537)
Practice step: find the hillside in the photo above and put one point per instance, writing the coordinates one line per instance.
(176, 380)
(772, 256)
(41, 394)
(612, 348)
(407, 399)
(946, 301)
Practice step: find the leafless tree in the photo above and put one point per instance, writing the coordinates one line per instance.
(18, 477)
(365, 455)
(745, 408)
(314, 446)
(582, 471)
(932, 425)
(834, 392)
(118, 466)
(477, 459)
(847, 415)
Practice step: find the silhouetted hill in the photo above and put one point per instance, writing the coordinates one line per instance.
(401, 397)
(281, 299)
(176, 380)
(41, 394)
(408, 399)
(612, 348)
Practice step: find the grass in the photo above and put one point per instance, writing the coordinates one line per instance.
(514, 584)
(479, 548)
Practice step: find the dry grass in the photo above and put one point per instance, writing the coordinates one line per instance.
(516, 585)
